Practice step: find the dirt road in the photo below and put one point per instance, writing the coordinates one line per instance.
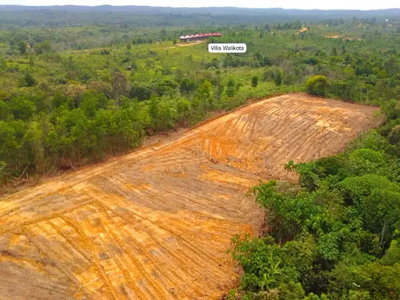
(156, 223)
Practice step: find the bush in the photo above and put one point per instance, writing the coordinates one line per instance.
(254, 81)
(27, 81)
(2, 167)
(317, 85)
(230, 90)
(341, 89)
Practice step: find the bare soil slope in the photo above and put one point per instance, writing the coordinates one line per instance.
(156, 223)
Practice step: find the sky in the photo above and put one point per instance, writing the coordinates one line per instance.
(301, 4)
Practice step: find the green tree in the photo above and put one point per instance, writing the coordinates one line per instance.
(317, 85)
(204, 93)
(163, 33)
(28, 80)
(119, 85)
(254, 81)
(187, 86)
(22, 47)
(21, 107)
(43, 48)
(34, 138)
(3, 64)
(162, 113)
(231, 88)
(394, 136)
(141, 91)
(11, 144)
(183, 109)
(278, 77)
(2, 169)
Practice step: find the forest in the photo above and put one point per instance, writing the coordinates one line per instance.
(77, 16)
(73, 95)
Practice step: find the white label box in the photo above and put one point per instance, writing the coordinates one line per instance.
(227, 48)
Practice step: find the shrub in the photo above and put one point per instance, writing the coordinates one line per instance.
(254, 81)
(317, 85)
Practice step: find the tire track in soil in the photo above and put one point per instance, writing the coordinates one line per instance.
(156, 223)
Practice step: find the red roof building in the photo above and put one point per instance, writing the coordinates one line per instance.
(199, 36)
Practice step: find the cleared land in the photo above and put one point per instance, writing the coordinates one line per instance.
(156, 223)
(191, 44)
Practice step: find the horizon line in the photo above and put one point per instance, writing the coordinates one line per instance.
(195, 7)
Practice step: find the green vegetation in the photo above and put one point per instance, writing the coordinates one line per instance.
(317, 85)
(76, 94)
(70, 95)
(73, 16)
(254, 81)
(336, 234)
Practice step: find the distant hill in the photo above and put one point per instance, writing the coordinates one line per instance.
(107, 14)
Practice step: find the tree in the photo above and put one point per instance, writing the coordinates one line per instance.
(3, 63)
(311, 61)
(43, 47)
(230, 89)
(162, 113)
(28, 80)
(34, 139)
(119, 85)
(394, 136)
(140, 91)
(4, 109)
(219, 90)
(101, 87)
(341, 89)
(22, 47)
(11, 142)
(205, 90)
(2, 167)
(317, 85)
(254, 81)
(21, 107)
(183, 109)
(163, 33)
(187, 86)
(204, 96)
(278, 77)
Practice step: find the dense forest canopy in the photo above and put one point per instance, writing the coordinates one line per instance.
(168, 16)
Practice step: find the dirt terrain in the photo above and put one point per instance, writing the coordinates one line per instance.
(344, 38)
(190, 44)
(302, 30)
(187, 44)
(156, 223)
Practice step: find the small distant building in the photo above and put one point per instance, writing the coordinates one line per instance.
(199, 36)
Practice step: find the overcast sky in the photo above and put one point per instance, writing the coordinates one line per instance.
(302, 4)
